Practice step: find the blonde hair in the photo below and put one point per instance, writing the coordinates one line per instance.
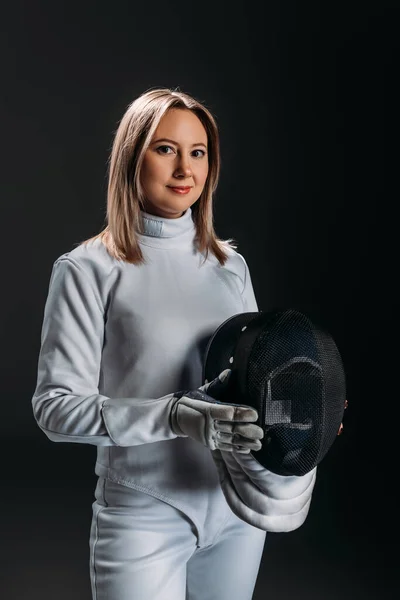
(125, 195)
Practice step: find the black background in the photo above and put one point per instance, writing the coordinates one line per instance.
(305, 97)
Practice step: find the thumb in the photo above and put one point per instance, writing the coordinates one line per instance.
(215, 387)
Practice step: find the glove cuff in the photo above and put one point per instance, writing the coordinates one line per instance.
(173, 415)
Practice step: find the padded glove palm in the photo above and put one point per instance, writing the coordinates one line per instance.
(218, 425)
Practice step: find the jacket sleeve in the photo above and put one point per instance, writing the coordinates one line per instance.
(261, 498)
(66, 403)
(248, 297)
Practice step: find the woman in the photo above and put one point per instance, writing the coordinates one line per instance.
(127, 319)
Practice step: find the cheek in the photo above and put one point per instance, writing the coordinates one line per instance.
(151, 171)
(202, 173)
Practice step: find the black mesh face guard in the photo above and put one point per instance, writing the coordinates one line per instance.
(291, 372)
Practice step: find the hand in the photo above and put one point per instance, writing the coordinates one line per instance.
(217, 425)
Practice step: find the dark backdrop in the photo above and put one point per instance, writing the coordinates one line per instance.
(305, 97)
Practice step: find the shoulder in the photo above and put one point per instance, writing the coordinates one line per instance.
(235, 264)
(89, 260)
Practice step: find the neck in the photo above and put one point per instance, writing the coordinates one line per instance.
(163, 232)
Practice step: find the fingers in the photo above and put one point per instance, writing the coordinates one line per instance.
(248, 438)
(214, 388)
(239, 445)
(224, 375)
(231, 448)
(247, 430)
(244, 414)
(233, 414)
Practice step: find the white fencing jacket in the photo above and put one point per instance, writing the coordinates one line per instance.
(118, 340)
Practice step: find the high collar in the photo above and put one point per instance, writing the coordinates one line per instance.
(161, 232)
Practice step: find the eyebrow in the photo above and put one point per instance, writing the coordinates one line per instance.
(176, 143)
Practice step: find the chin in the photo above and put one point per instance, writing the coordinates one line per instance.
(174, 209)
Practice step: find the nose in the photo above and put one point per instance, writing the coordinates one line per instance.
(183, 168)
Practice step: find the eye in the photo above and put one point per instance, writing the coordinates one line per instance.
(202, 153)
(160, 147)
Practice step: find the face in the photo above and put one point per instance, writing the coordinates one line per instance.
(176, 158)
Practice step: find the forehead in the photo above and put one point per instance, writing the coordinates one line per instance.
(181, 125)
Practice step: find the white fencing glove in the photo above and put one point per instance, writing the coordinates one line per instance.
(217, 425)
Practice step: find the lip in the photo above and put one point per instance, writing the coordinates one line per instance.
(180, 189)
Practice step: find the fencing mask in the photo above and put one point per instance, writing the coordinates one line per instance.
(289, 369)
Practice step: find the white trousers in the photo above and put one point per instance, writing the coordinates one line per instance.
(142, 548)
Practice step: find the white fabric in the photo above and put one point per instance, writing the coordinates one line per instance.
(216, 425)
(144, 549)
(262, 498)
(119, 339)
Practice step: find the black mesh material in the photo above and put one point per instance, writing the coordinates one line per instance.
(291, 371)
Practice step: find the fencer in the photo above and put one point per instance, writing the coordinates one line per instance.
(120, 339)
